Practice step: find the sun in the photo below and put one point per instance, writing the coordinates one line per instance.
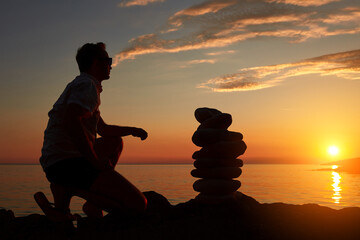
(333, 150)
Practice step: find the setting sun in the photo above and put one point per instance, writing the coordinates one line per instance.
(333, 150)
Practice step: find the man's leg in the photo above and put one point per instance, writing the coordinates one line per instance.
(54, 214)
(107, 149)
(113, 193)
(61, 196)
(112, 186)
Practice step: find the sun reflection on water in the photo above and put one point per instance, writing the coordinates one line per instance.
(336, 187)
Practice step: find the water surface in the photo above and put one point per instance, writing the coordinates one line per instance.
(295, 184)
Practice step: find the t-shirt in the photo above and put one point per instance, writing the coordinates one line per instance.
(84, 90)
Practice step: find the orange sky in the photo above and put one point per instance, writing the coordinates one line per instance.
(289, 78)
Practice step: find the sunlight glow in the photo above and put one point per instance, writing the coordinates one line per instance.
(333, 150)
(336, 188)
(333, 167)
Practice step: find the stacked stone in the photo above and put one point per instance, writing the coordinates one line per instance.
(216, 162)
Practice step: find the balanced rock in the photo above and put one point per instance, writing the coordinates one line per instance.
(217, 173)
(217, 162)
(208, 136)
(222, 121)
(223, 149)
(201, 114)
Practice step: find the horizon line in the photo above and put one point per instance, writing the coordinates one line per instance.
(149, 163)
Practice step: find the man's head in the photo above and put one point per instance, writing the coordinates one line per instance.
(93, 59)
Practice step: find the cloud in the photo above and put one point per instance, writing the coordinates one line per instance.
(211, 6)
(305, 2)
(220, 53)
(198, 61)
(202, 61)
(131, 3)
(344, 64)
(220, 23)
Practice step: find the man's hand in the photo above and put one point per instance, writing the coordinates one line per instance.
(139, 132)
(113, 130)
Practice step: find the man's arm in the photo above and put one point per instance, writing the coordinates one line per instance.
(104, 129)
(74, 115)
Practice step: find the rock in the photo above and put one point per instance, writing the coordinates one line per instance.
(201, 114)
(217, 173)
(217, 162)
(6, 216)
(157, 205)
(216, 186)
(203, 137)
(222, 121)
(221, 150)
(240, 218)
(208, 136)
(35, 226)
(244, 199)
(156, 202)
(215, 199)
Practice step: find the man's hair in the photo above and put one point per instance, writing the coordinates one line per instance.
(87, 54)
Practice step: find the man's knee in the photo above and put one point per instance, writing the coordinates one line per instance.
(119, 143)
(114, 142)
(140, 203)
(115, 139)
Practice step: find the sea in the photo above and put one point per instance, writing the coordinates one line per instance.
(267, 183)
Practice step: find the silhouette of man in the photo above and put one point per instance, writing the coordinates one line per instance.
(74, 160)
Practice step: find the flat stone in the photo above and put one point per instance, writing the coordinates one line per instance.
(217, 162)
(216, 186)
(201, 114)
(221, 150)
(208, 136)
(222, 121)
(217, 173)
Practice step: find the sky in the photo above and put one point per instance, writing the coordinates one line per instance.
(288, 71)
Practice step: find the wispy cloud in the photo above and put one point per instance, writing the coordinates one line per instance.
(305, 2)
(211, 6)
(220, 53)
(198, 61)
(220, 23)
(344, 64)
(131, 3)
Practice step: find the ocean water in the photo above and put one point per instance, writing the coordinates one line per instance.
(294, 184)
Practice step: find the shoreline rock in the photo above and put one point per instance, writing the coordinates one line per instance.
(241, 217)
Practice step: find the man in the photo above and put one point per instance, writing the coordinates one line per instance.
(74, 160)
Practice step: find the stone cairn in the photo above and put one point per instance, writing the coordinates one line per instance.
(216, 162)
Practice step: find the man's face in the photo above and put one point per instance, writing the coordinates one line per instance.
(103, 66)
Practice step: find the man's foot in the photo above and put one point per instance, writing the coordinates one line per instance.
(54, 214)
(92, 211)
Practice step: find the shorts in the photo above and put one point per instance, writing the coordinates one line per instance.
(74, 172)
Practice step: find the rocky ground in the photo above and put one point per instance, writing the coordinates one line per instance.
(242, 218)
